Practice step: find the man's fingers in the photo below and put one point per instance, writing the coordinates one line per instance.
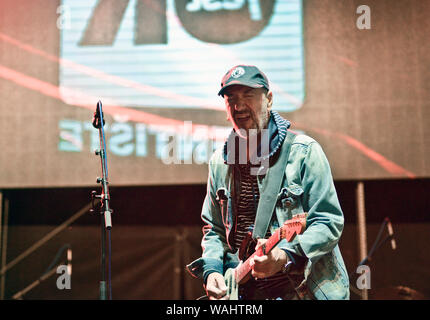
(222, 298)
(214, 291)
(217, 294)
(216, 287)
(260, 259)
(258, 275)
(221, 285)
(260, 242)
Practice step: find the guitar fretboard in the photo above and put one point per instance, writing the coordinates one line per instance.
(243, 269)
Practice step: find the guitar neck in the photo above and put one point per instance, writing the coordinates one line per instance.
(288, 231)
(243, 269)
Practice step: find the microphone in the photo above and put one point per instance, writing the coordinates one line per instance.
(391, 233)
(97, 117)
(69, 261)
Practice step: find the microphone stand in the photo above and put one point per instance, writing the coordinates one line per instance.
(376, 245)
(105, 211)
(51, 270)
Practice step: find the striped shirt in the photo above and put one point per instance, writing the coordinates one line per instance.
(246, 205)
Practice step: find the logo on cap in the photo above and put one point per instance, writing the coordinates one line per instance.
(238, 72)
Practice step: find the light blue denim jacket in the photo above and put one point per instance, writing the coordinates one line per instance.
(307, 187)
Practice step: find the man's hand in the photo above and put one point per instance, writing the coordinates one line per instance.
(267, 265)
(216, 287)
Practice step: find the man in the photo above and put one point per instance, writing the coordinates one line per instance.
(259, 155)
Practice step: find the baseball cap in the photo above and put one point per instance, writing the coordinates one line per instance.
(245, 75)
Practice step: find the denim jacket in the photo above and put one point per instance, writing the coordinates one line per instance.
(307, 187)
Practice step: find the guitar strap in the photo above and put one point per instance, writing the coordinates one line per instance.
(270, 189)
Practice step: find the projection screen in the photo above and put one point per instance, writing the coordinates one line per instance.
(156, 66)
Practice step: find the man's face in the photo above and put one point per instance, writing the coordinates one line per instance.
(248, 108)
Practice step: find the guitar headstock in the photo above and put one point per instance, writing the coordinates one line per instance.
(293, 227)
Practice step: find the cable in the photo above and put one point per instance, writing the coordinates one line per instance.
(48, 273)
(378, 237)
(56, 258)
(109, 265)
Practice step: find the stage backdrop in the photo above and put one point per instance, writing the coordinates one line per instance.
(355, 79)
(156, 269)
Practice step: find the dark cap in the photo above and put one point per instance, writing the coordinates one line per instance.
(244, 75)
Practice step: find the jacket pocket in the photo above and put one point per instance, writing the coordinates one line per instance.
(289, 202)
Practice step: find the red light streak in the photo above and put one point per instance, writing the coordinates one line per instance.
(201, 103)
(53, 91)
(383, 162)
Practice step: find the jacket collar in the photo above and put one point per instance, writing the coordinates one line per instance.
(277, 130)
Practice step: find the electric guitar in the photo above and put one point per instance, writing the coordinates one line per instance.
(234, 277)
